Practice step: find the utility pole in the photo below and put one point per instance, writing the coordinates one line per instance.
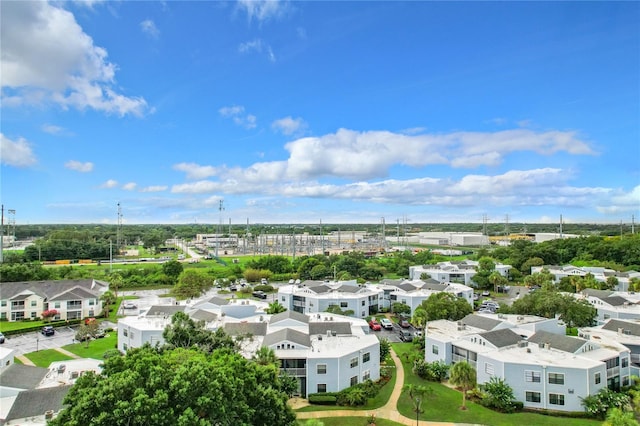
(633, 231)
(220, 209)
(2, 234)
(119, 229)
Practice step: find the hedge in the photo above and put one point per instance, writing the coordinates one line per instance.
(60, 323)
(328, 398)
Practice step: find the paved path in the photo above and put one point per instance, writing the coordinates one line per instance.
(387, 411)
(26, 361)
(67, 353)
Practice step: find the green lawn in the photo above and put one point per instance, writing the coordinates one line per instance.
(443, 405)
(45, 357)
(351, 421)
(96, 348)
(373, 403)
(17, 325)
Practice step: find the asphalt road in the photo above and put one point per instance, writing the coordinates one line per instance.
(35, 341)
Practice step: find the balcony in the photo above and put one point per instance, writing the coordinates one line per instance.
(612, 372)
(17, 306)
(296, 372)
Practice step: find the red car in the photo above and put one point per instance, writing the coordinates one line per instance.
(375, 325)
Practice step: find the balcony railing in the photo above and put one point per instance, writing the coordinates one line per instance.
(296, 372)
(17, 307)
(612, 372)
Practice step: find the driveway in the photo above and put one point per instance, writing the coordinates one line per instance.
(35, 341)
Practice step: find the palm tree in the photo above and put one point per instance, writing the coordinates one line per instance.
(265, 356)
(463, 375)
(496, 279)
(419, 317)
(108, 299)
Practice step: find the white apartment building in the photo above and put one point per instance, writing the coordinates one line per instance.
(612, 304)
(599, 274)
(453, 272)
(317, 296)
(413, 293)
(545, 368)
(73, 299)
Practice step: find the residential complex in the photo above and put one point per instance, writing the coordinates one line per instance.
(599, 274)
(545, 368)
(324, 352)
(461, 272)
(72, 299)
(612, 304)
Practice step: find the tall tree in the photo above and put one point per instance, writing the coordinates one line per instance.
(463, 375)
(151, 386)
(184, 332)
(445, 306)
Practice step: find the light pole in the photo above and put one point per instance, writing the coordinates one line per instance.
(37, 342)
(417, 411)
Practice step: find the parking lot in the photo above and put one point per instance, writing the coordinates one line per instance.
(392, 335)
(35, 341)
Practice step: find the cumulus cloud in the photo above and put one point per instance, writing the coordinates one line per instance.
(263, 10)
(289, 125)
(79, 166)
(622, 202)
(237, 114)
(149, 28)
(17, 153)
(131, 186)
(196, 171)
(48, 58)
(258, 46)
(111, 183)
(154, 188)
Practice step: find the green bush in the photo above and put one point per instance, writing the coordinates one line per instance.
(328, 398)
(266, 288)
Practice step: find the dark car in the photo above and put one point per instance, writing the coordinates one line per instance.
(48, 330)
(406, 336)
(1, 338)
(259, 294)
(404, 323)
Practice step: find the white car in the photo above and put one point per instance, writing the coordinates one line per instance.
(386, 323)
(128, 305)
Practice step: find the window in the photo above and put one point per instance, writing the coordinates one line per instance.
(354, 380)
(344, 304)
(613, 362)
(624, 363)
(532, 396)
(354, 362)
(322, 387)
(321, 368)
(556, 399)
(404, 301)
(625, 381)
(34, 303)
(57, 305)
(33, 314)
(125, 333)
(3, 315)
(532, 376)
(124, 346)
(3, 303)
(366, 357)
(132, 335)
(488, 368)
(283, 298)
(92, 302)
(597, 378)
(363, 303)
(366, 375)
(556, 378)
(434, 349)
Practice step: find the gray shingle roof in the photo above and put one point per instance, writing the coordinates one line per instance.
(218, 301)
(346, 288)
(558, 341)
(202, 315)
(632, 328)
(36, 402)
(22, 376)
(615, 300)
(287, 334)
(164, 310)
(297, 316)
(49, 289)
(407, 287)
(76, 293)
(601, 294)
(436, 286)
(478, 321)
(322, 327)
(240, 328)
(502, 338)
(320, 289)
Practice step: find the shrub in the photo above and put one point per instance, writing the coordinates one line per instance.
(432, 371)
(498, 395)
(264, 287)
(328, 398)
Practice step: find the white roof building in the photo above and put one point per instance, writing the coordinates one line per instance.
(453, 272)
(599, 274)
(612, 304)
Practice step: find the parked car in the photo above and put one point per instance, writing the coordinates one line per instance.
(233, 288)
(375, 325)
(259, 294)
(486, 293)
(48, 330)
(404, 323)
(2, 338)
(406, 336)
(128, 305)
(418, 333)
(386, 323)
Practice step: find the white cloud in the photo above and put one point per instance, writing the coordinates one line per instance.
(154, 188)
(263, 10)
(289, 125)
(196, 171)
(131, 186)
(16, 153)
(236, 113)
(79, 166)
(52, 129)
(622, 202)
(48, 58)
(109, 184)
(149, 28)
(259, 46)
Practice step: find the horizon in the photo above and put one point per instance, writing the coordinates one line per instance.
(297, 112)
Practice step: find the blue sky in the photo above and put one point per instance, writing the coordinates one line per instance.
(300, 112)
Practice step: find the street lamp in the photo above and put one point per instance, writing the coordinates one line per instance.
(417, 411)
(37, 342)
